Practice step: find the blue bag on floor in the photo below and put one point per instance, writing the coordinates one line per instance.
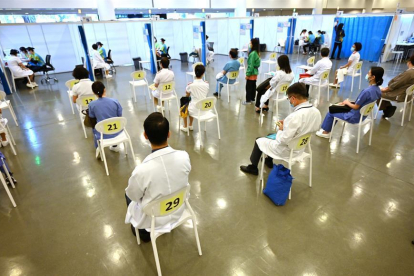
(278, 184)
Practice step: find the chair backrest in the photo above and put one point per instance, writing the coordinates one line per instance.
(311, 61)
(273, 56)
(233, 75)
(206, 104)
(367, 109)
(300, 142)
(48, 57)
(109, 54)
(138, 75)
(324, 76)
(358, 67)
(85, 100)
(167, 87)
(70, 83)
(410, 90)
(2, 95)
(282, 87)
(195, 64)
(111, 125)
(241, 61)
(167, 205)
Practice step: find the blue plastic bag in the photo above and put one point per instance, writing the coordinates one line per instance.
(278, 184)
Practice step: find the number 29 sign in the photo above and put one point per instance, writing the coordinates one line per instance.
(171, 204)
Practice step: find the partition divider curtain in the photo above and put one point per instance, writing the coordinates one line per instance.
(370, 31)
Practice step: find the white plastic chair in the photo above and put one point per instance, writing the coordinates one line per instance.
(5, 184)
(233, 75)
(82, 103)
(167, 89)
(242, 65)
(409, 92)
(112, 126)
(365, 111)
(398, 55)
(69, 84)
(280, 90)
(355, 73)
(192, 73)
(166, 206)
(5, 104)
(272, 60)
(4, 128)
(138, 79)
(323, 82)
(298, 143)
(15, 78)
(209, 106)
(281, 44)
(310, 62)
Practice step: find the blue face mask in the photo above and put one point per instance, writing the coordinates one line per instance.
(292, 105)
(367, 77)
(352, 49)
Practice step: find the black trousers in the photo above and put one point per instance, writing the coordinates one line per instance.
(256, 154)
(309, 46)
(250, 90)
(259, 96)
(339, 46)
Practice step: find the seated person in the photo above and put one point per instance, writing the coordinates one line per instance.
(310, 41)
(84, 86)
(163, 172)
(101, 109)
(19, 70)
(396, 89)
(321, 66)
(101, 50)
(349, 67)
(304, 119)
(157, 45)
(162, 51)
(195, 53)
(197, 90)
(4, 142)
(24, 54)
(163, 76)
(209, 52)
(232, 65)
(321, 39)
(368, 95)
(302, 38)
(36, 62)
(285, 74)
(98, 62)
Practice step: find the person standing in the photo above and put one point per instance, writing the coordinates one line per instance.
(339, 38)
(253, 64)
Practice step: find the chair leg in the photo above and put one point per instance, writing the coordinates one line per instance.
(310, 170)
(218, 127)
(104, 159)
(370, 131)
(132, 149)
(411, 109)
(290, 191)
(138, 237)
(7, 191)
(333, 125)
(125, 149)
(360, 78)
(343, 128)
(376, 115)
(359, 134)
(199, 131)
(403, 115)
(261, 117)
(352, 84)
(71, 104)
(8, 175)
(14, 115)
(83, 126)
(228, 93)
(197, 237)
(262, 167)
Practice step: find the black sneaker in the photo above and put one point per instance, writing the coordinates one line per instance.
(269, 162)
(250, 169)
(389, 111)
(143, 234)
(215, 94)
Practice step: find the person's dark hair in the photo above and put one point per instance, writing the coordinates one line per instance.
(378, 73)
(411, 59)
(94, 46)
(284, 64)
(358, 46)
(298, 90)
(304, 30)
(156, 128)
(80, 73)
(255, 45)
(98, 88)
(233, 53)
(99, 43)
(30, 48)
(323, 32)
(325, 52)
(319, 31)
(165, 62)
(155, 38)
(206, 37)
(162, 39)
(199, 70)
(23, 49)
(340, 27)
(310, 32)
(13, 52)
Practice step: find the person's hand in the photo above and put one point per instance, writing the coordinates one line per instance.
(383, 89)
(346, 102)
(280, 124)
(246, 77)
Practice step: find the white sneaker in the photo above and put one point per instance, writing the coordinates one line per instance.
(108, 76)
(4, 143)
(185, 129)
(159, 108)
(35, 84)
(335, 85)
(322, 135)
(114, 148)
(191, 128)
(246, 103)
(30, 85)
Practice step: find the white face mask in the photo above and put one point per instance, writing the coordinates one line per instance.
(352, 49)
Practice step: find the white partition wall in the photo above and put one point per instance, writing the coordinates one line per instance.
(314, 23)
(271, 30)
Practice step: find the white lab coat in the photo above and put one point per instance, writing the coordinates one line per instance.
(163, 172)
(98, 61)
(279, 77)
(320, 67)
(305, 118)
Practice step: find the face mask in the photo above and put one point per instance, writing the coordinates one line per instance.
(367, 77)
(352, 49)
(292, 105)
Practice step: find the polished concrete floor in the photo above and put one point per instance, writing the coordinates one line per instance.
(356, 220)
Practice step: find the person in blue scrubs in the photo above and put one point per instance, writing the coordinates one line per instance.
(370, 94)
(232, 65)
(101, 50)
(101, 109)
(36, 62)
(311, 39)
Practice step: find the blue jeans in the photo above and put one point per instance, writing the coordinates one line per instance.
(220, 83)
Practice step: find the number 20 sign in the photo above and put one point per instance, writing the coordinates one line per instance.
(171, 204)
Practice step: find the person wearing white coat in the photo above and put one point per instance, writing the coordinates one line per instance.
(304, 119)
(98, 62)
(163, 172)
(321, 66)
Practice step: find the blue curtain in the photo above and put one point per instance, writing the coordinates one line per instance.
(370, 31)
(149, 39)
(290, 40)
(85, 48)
(203, 42)
(252, 29)
(4, 82)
